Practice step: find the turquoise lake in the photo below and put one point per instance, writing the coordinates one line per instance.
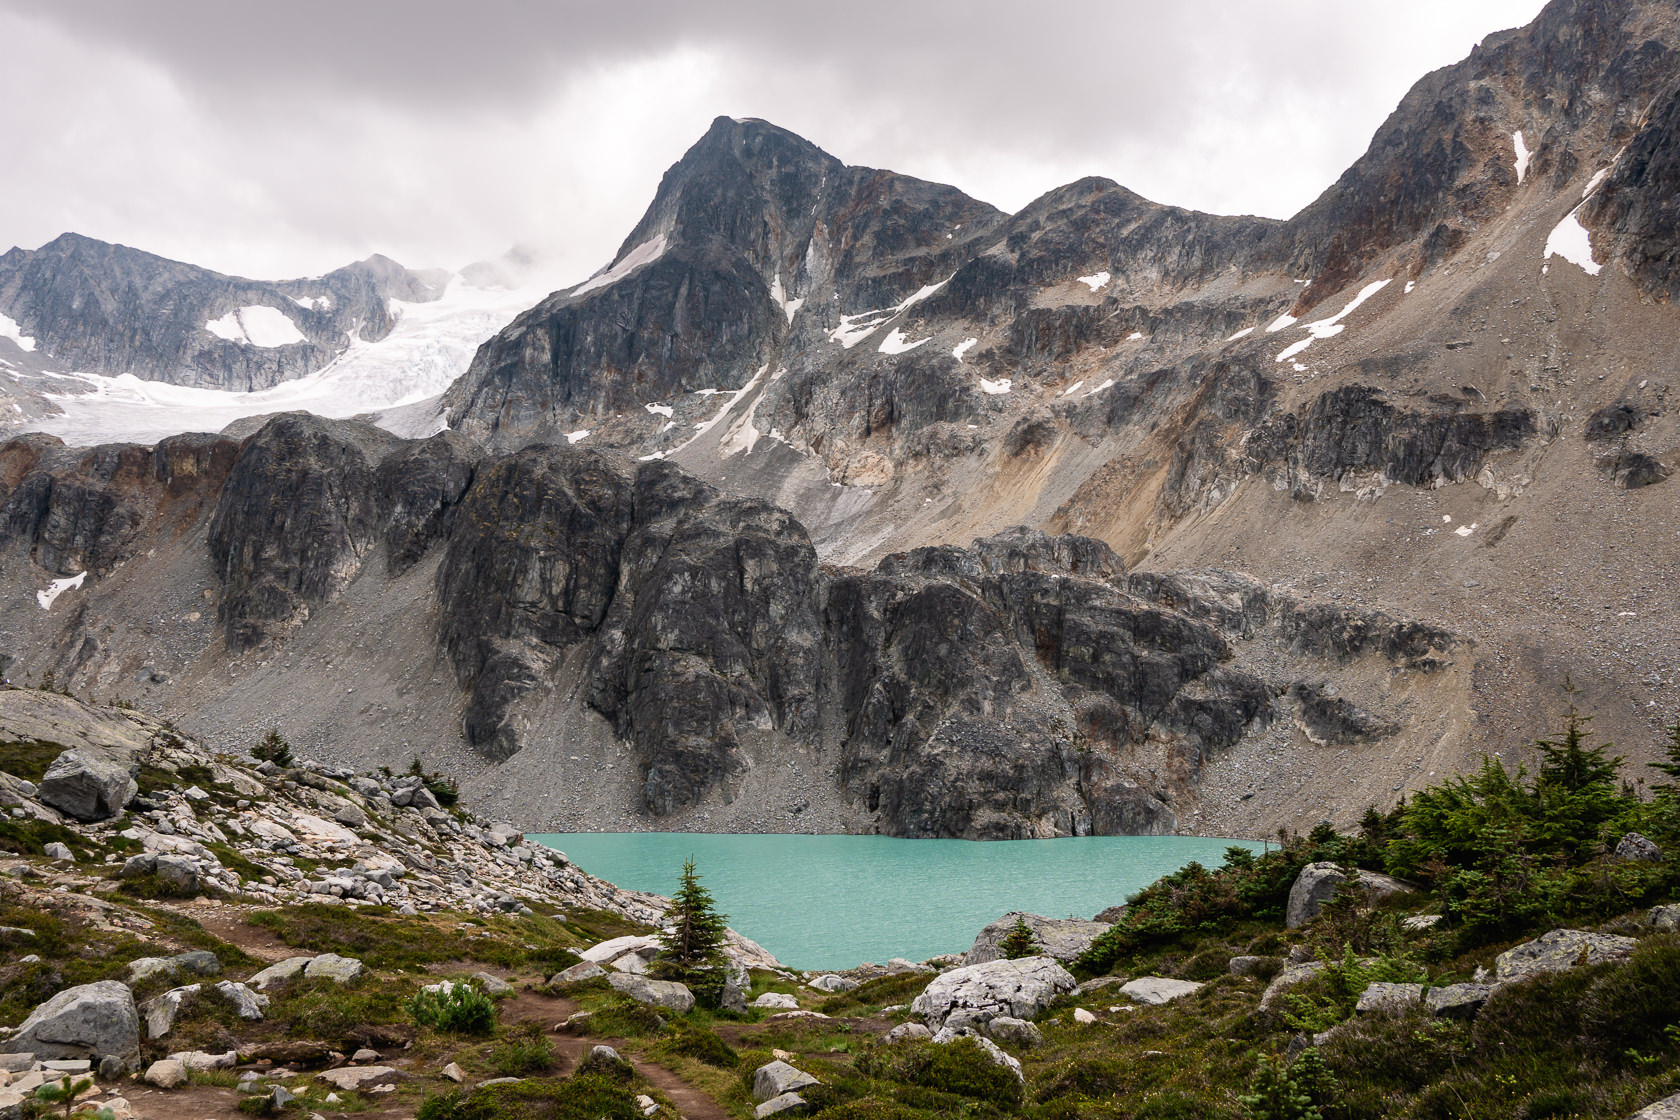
(837, 901)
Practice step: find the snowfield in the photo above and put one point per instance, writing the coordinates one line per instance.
(257, 325)
(431, 345)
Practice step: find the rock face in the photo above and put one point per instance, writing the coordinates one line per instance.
(88, 1021)
(752, 218)
(1062, 938)
(291, 527)
(105, 308)
(978, 993)
(88, 786)
(1318, 883)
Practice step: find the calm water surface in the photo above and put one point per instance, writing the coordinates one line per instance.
(837, 901)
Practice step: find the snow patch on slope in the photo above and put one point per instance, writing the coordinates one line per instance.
(10, 329)
(1523, 154)
(645, 253)
(1329, 328)
(963, 347)
(790, 307)
(56, 588)
(996, 388)
(1571, 241)
(264, 327)
(896, 343)
(1096, 281)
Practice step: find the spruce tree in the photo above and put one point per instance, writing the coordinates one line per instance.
(1018, 942)
(694, 937)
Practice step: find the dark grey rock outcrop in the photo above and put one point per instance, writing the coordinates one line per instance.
(296, 517)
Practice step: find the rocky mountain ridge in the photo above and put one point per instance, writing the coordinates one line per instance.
(80, 305)
(723, 536)
(1026, 686)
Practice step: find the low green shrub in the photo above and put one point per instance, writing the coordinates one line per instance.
(626, 1019)
(525, 1051)
(961, 1068)
(459, 1009)
(702, 1045)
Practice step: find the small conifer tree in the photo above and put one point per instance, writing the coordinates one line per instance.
(273, 749)
(694, 938)
(1274, 1095)
(1019, 941)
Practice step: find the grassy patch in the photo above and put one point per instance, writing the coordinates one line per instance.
(385, 940)
(583, 1097)
(870, 997)
(30, 838)
(29, 760)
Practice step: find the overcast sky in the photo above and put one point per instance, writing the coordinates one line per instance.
(279, 140)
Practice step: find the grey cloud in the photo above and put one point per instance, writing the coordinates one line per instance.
(1221, 104)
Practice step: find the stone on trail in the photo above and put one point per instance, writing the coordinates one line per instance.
(493, 985)
(87, 785)
(455, 1073)
(89, 1020)
(583, 970)
(1558, 950)
(659, 993)
(775, 999)
(908, 1032)
(166, 1073)
(365, 1055)
(1020, 989)
(1062, 938)
(59, 853)
(1080, 1015)
(202, 1061)
(1158, 989)
(775, 1078)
